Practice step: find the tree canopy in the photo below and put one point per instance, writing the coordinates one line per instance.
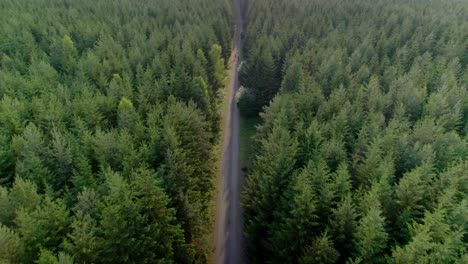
(108, 121)
(361, 155)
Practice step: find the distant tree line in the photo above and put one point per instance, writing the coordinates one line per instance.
(362, 152)
(108, 117)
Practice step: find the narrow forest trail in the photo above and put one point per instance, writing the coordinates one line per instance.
(229, 234)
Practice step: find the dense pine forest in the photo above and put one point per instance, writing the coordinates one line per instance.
(108, 122)
(110, 117)
(361, 155)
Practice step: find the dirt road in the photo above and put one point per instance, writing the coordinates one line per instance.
(229, 234)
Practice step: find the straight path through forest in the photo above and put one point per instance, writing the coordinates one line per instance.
(229, 234)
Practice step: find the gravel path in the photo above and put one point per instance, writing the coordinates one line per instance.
(229, 234)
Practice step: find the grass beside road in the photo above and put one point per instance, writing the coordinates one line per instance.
(246, 133)
(222, 107)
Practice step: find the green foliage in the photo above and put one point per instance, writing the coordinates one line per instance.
(202, 95)
(343, 227)
(245, 99)
(6, 160)
(23, 195)
(10, 246)
(433, 241)
(31, 152)
(83, 240)
(131, 224)
(371, 236)
(44, 227)
(375, 94)
(89, 90)
(160, 221)
(119, 222)
(267, 190)
(293, 78)
(217, 69)
(63, 55)
(259, 74)
(321, 251)
(414, 193)
(47, 257)
(127, 115)
(108, 122)
(298, 226)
